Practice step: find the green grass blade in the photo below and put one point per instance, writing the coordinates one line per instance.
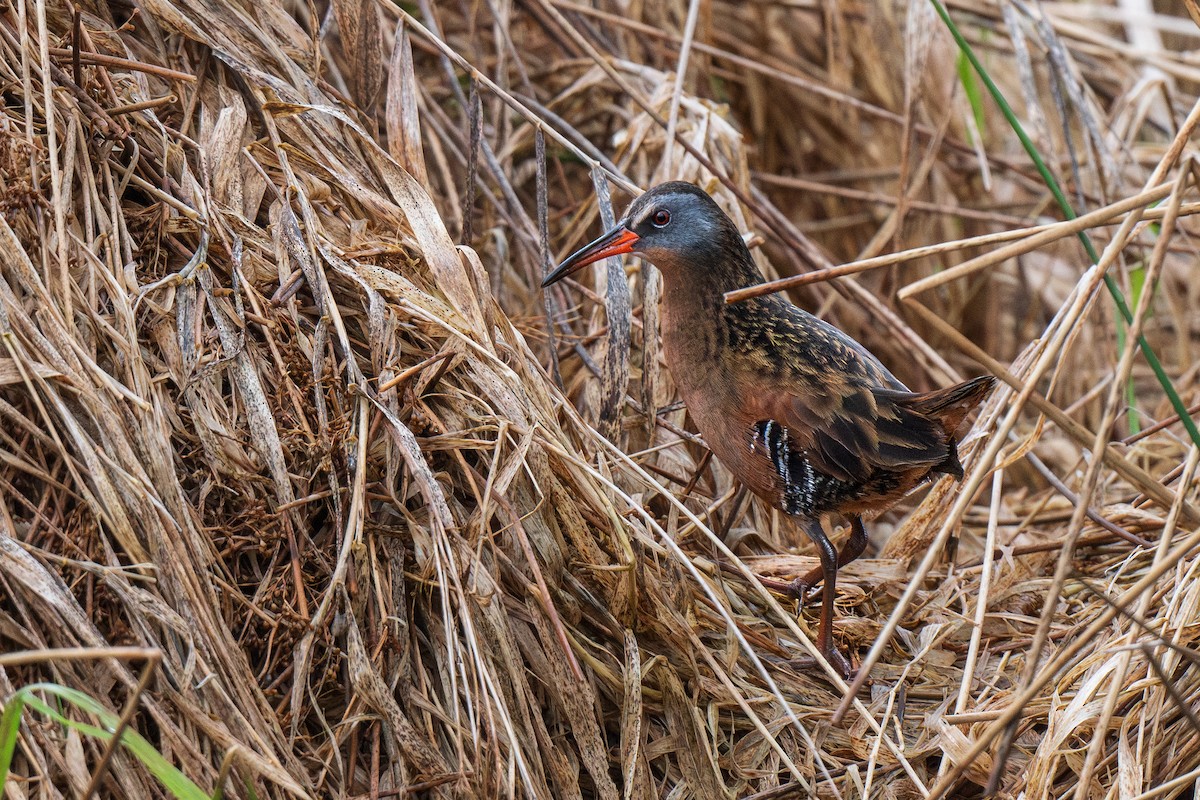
(1069, 212)
(970, 84)
(10, 723)
(172, 779)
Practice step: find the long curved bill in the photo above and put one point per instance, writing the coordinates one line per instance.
(617, 241)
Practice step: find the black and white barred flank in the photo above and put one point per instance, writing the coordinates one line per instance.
(807, 492)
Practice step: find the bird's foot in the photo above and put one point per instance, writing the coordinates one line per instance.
(799, 589)
(836, 659)
(786, 588)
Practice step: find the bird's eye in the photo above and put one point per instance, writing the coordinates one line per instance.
(661, 218)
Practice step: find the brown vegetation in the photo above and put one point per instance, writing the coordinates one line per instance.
(286, 478)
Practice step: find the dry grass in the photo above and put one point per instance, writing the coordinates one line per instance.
(284, 477)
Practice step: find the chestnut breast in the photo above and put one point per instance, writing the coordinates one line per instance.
(714, 385)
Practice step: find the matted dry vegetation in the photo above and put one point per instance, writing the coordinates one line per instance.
(287, 482)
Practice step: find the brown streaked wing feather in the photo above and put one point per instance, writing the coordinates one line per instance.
(950, 405)
(858, 434)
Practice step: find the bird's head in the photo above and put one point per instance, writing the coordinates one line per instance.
(678, 228)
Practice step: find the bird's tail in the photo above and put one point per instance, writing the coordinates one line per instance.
(951, 405)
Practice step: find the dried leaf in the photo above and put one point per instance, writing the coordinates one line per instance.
(403, 109)
(362, 42)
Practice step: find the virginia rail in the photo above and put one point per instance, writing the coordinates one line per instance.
(800, 413)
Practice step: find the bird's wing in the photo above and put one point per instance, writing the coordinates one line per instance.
(852, 436)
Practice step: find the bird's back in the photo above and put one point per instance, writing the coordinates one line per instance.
(801, 348)
(807, 417)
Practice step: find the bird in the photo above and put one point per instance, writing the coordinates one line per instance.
(799, 412)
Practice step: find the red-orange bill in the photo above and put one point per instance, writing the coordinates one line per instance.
(617, 241)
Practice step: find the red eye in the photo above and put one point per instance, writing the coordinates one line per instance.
(661, 218)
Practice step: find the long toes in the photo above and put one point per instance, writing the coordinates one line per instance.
(835, 658)
(798, 589)
(839, 662)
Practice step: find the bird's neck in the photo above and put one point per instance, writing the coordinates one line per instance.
(695, 319)
(696, 286)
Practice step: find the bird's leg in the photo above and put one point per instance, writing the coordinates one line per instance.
(829, 567)
(852, 549)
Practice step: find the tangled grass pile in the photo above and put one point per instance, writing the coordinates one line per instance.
(308, 490)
